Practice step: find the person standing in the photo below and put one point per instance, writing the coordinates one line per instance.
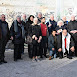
(17, 33)
(36, 38)
(4, 37)
(28, 29)
(52, 24)
(65, 21)
(44, 38)
(72, 29)
(24, 20)
(39, 17)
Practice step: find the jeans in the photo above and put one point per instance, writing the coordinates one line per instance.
(53, 53)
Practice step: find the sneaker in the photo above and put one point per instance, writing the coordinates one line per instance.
(33, 60)
(37, 60)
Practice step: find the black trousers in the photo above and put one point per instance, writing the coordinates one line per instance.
(35, 50)
(17, 51)
(2, 49)
(30, 50)
(22, 48)
(43, 46)
(70, 54)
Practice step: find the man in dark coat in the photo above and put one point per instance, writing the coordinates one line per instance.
(17, 33)
(24, 20)
(65, 45)
(39, 17)
(0, 44)
(65, 22)
(52, 24)
(0, 31)
(72, 29)
(4, 37)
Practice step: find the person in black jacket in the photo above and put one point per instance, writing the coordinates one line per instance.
(0, 32)
(0, 44)
(17, 33)
(72, 29)
(65, 45)
(39, 17)
(28, 29)
(28, 24)
(52, 24)
(5, 35)
(60, 27)
(36, 36)
(52, 44)
(65, 21)
(24, 20)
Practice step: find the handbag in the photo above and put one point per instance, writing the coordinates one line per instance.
(28, 39)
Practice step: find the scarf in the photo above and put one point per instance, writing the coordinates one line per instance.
(67, 42)
(16, 28)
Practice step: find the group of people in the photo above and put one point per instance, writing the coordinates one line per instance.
(59, 39)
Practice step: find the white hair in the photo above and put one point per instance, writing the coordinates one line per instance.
(59, 22)
(39, 13)
(35, 18)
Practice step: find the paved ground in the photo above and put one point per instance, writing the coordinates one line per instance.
(44, 68)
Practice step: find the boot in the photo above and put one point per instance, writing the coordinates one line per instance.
(50, 58)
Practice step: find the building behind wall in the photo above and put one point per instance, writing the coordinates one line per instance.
(12, 8)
